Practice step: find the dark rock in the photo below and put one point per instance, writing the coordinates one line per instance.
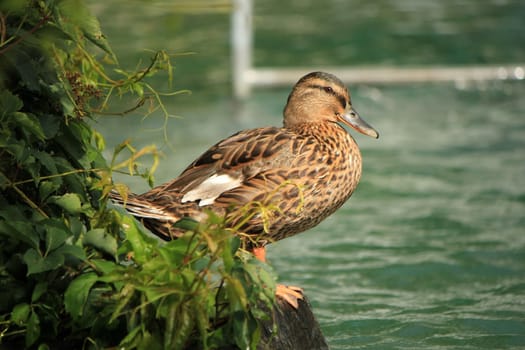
(291, 329)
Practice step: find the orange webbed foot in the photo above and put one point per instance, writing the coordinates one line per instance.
(289, 294)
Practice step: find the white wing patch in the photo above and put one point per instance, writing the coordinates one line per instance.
(211, 188)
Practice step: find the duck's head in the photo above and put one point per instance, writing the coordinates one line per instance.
(321, 97)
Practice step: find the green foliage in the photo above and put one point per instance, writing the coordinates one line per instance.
(76, 272)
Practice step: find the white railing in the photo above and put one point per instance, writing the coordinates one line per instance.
(245, 76)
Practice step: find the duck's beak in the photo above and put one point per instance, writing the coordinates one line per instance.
(352, 119)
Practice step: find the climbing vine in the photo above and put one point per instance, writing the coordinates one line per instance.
(75, 271)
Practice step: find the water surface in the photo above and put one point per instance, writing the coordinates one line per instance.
(429, 253)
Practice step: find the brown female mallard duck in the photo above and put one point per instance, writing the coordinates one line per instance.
(302, 172)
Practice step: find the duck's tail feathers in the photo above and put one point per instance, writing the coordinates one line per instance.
(140, 208)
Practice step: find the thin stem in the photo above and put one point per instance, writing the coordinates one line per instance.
(36, 27)
(30, 202)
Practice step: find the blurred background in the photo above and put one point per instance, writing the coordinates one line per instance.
(430, 250)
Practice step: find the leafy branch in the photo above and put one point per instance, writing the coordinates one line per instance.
(76, 271)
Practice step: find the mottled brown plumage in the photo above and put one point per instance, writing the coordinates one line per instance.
(305, 170)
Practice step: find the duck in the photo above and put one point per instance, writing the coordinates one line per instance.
(300, 173)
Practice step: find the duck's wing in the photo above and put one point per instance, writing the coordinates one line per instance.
(230, 165)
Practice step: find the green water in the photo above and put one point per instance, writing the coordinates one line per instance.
(429, 253)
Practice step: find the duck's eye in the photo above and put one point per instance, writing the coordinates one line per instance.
(328, 89)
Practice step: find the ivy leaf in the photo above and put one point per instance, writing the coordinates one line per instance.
(37, 263)
(20, 313)
(45, 188)
(33, 329)
(30, 123)
(99, 239)
(76, 227)
(105, 267)
(56, 234)
(77, 293)
(241, 330)
(50, 124)
(181, 321)
(262, 281)
(71, 250)
(14, 7)
(174, 252)
(227, 256)
(19, 150)
(40, 288)
(73, 140)
(70, 202)
(131, 338)
(77, 13)
(51, 33)
(9, 103)
(26, 67)
(186, 224)
(47, 161)
(21, 231)
(100, 143)
(74, 182)
(142, 246)
(236, 294)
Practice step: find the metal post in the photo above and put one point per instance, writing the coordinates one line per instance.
(241, 34)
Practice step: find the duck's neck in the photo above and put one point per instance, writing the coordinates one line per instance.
(333, 139)
(322, 131)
